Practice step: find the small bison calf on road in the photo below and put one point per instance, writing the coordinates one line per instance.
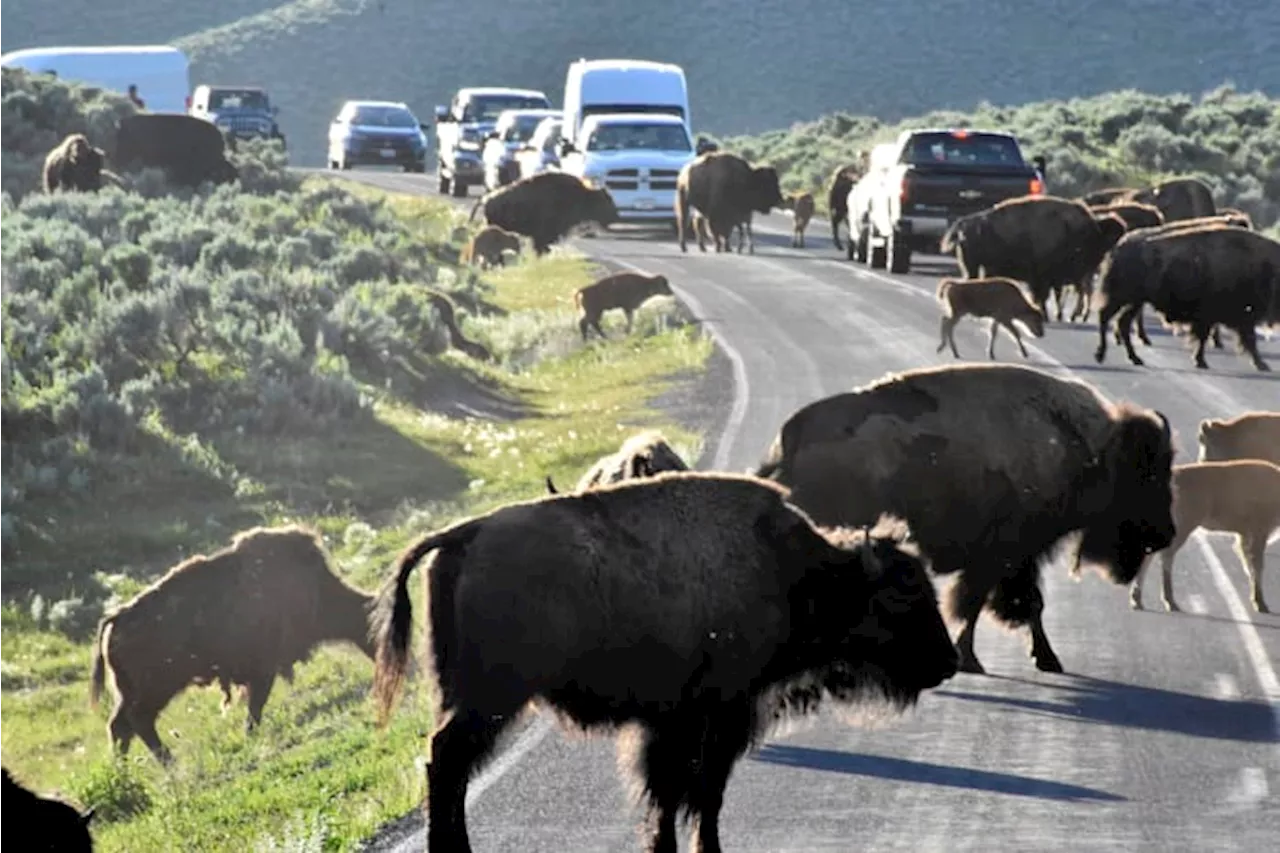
(43, 823)
(242, 615)
(488, 245)
(801, 206)
(624, 290)
(1002, 299)
(645, 454)
(1253, 435)
(698, 608)
(1240, 497)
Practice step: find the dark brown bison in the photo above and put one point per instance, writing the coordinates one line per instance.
(43, 823)
(1203, 276)
(1180, 198)
(625, 291)
(190, 150)
(242, 616)
(991, 466)
(1133, 214)
(644, 454)
(74, 164)
(545, 207)
(838, 186)
(1045, 241)
(697, 608)
(1108, 196)
(727, 190)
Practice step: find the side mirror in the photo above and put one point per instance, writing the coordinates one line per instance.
(1040, 163)
(423, 126)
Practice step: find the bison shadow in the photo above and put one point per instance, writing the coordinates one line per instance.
(1111, 703)
(907, 770)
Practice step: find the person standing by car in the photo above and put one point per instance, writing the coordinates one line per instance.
(133, 96)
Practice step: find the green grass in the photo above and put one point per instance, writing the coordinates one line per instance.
(318, 775)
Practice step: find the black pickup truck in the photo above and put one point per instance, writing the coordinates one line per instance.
(918, 185)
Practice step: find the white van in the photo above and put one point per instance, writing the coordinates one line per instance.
(598, 86)
(162, 73)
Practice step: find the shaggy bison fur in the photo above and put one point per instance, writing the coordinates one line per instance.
(545, 207)
(242, 616)
(696, 609)
(1045, 241)
(1253, 435)
(43, 823)
(991, 466)
(189, 150)
(623, 290)
(1180, 198)
(74, 164)
(728, 191)
(486, 248)
(1202, 276)
(838, 187)
(1241, 497)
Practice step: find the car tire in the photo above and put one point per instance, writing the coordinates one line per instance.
(442, 180)
(858, 248)
(877, 256)
(459, 188)
(898, 255)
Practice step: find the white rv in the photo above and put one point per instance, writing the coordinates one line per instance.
(161, 73)
(627, 128)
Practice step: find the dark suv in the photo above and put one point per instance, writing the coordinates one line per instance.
(241, 112)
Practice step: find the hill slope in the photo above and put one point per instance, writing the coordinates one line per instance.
(751, 66)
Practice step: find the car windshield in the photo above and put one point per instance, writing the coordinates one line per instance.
(238, 100)
(645, 137)
(383, 117)
(489, 107)
(522, 128)
(967, 148)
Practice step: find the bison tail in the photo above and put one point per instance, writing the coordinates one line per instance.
(772, 461)
(393, 615)
(479, 203)
(943, 286)
(99, 674)
(551, 487)
(948, 244)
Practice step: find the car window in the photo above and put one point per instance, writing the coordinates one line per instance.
(370, 116)
(489, 107)
(643, 137)
(973, 149)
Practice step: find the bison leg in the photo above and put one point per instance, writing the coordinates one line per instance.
(259, 690)
(1249, 341)
(143, 721)
(1142, 328)
(1217, 337)
(965, 600)
(1124, 323)
(1104, 326)
(991, 338)
(1135, 586)
(630, 318)
(457, 748)
(1252, 549)
(837, 218)
(947, 332)
(663, 766)
(1201, 332)
(1166, 571)
(1017, 336)
(725, 739)
(583, 325)
(1041, 651)
(1017, 600)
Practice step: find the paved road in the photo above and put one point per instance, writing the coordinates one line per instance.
(1165, 737)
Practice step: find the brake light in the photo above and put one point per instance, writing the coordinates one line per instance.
(1036, 187)
(904, 190)
(960, 134)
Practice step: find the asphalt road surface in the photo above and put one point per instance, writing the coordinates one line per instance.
(1165, 734)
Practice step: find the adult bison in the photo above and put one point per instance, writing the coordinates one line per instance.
(727, 190)
(545, 207)
(990, 466)
(699, 608)
(1179, 198)
(242, 615)
(838, 186)
(190, 150)
(74, 164)
(1045, 241)
(43, 823)
(1216, 274)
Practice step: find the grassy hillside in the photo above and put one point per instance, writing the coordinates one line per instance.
(751, 66)
(1231, 139)
(177, 367)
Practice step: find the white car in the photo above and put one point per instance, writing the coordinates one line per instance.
(377, 133)
(512, 130)
(637, 157)
(542, 152)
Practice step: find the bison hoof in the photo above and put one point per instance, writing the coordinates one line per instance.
(1137, 362)
(1201, 364)
(1048, 663)
(1261, 606)
(1172, 606)
(1099, 355)
(1135, 604)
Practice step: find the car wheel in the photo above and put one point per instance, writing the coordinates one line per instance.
(858, 248)
(459, 188)
(876, 255)
(442, 180)
(899, 255)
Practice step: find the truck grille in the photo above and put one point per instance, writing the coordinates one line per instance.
(632, 179)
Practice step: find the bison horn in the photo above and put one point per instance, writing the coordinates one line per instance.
(869, 559)
(1168, 433)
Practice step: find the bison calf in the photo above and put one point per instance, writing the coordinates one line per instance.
(697, 608)
(1002, 299)
(1253, 435)
(624, 290)
(645, 454)
(801, 206)
(43, 823)
(74, 164)
(1240, 497)
(242, 616)
(488, 245)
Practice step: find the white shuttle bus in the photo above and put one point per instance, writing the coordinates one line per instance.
(162, 73)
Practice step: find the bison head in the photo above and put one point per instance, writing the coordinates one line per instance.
(599, 207)
(1209, 437)
(766, 192)
(1110, 229)
(1130, 500)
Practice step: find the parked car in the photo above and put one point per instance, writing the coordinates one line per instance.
(513, 129)
(242, 112)
(463, 124)
(542, 152)
(377, 133)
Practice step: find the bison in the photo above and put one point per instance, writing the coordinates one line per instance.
(698, 608)
(801, 206)
(1241, 497)
(644, 454)
(189, 150)
(1133, 215)
(74, 164)
(242, 616)
(1045, 241)
(488, 246)
(991, 466)
(43, 823)
(838, 187)
(545, 207)
(727, 190)
(622, 290)
(1253, 435)
(1002, 299)
(1202, 276)
(1179, 198)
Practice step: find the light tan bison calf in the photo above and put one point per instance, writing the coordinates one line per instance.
(645, 454)
(1002, 299)
(801, 206)
(626, 291)
(1253, 435)
(488, 246)
(1241, 497)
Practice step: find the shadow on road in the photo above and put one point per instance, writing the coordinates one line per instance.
(905, 770)
(1110, 703)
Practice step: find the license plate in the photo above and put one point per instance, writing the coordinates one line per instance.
(388, 152)
(644, 204)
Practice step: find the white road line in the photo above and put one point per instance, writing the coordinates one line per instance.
(1196, 604)
(1225, 686)
(1252, 788)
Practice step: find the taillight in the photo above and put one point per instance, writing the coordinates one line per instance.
(904, 190)
(1036, 187)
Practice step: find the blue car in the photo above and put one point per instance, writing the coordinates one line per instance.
(377, 133)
